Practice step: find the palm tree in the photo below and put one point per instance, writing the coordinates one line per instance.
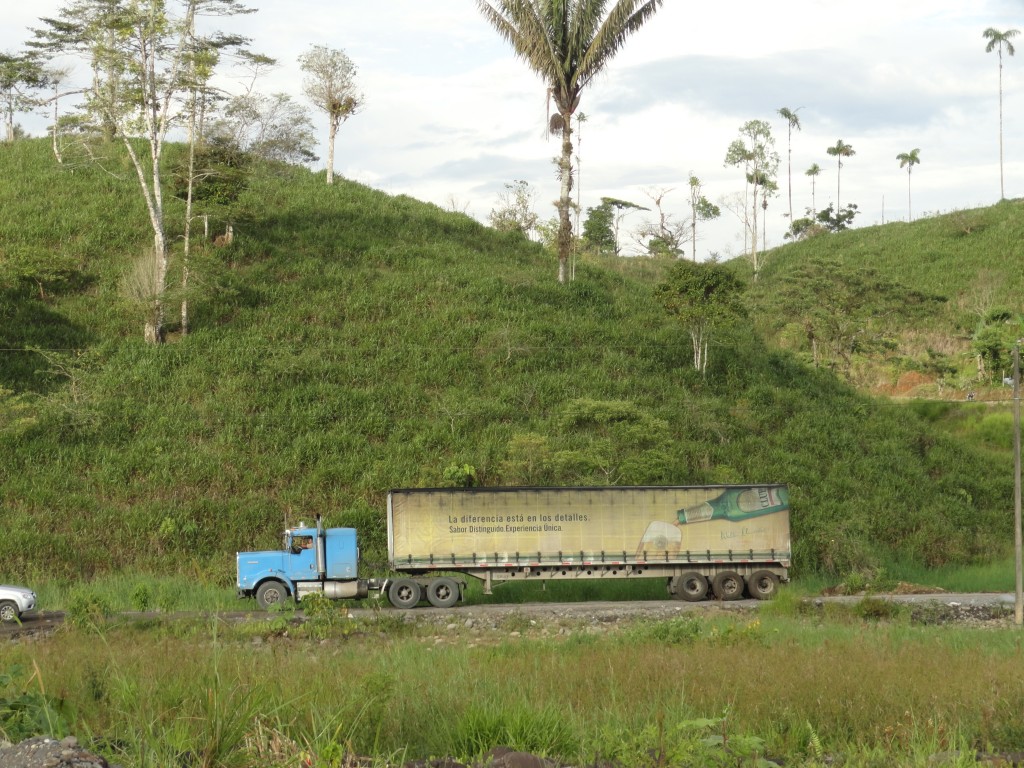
(790, 116)
(996, 42)
(813, 172)
(567, 43)
(909, 159)
(839, 151)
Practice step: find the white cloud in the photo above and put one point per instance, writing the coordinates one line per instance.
(451, 112)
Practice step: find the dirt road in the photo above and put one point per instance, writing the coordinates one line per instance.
(947, 606)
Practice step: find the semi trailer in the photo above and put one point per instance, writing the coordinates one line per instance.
(724, 541)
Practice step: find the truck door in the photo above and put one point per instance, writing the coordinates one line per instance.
(302, 558)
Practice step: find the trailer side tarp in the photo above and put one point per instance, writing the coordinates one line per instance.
(575, 524)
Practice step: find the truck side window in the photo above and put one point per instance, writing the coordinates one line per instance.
(300, 543)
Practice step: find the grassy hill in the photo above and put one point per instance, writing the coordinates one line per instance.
(349, 342)
(934, 296)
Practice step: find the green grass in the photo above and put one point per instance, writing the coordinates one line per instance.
(350, 342)
(947, 254)
(123, 592)
(968, 261)
(801, 690)
(995, 576)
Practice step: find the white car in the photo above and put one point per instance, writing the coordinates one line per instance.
(14, 601)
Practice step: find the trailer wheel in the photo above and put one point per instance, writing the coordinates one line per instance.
(271, 593)
(404, 593)
(443, 592)
(762, 585)
(728, 585)
(691, 587)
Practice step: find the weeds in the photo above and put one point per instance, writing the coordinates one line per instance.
(88, 608)
(325, 618)
(680, 631)
(26, 710)
(787, 686)
(879, 609)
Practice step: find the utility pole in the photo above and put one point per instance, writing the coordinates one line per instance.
(1018, 613)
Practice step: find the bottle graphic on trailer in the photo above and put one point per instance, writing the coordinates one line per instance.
(737, 504)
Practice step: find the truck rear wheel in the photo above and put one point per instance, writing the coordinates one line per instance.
(690, 586)
(443, 592)
(271, 593)
(404, 593)
(762, 585)
(728, 585)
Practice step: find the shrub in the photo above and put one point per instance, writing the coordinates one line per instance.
(25, 713)
(88, 608)
(142, 597)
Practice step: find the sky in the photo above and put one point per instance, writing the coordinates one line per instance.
(451, 115)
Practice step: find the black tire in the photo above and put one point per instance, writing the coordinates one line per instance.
(728, 585)
(443, 592)
(404, 593)
(9, 611)
(762, 585)
(690, 586)
(271, 593)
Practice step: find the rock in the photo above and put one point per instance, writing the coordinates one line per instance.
(503, 757)
(45, 752)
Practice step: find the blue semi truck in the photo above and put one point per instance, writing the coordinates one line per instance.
(726, 541)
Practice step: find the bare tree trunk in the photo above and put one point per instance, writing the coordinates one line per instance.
(56, 132)
(154, 331)
(564, 200)
(764, 221)
(910, 209)
(789, 172)
(155, 112)
(839, 181)
(330, 148)
(699, 337)
(579, 188)
(186, 250)
(753, 233)
(1002, 189)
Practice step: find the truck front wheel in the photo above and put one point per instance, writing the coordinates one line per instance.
(404, 593)
(271, 593)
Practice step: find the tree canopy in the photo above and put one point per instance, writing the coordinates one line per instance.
(703, 297)
(330, 84)
(568, 43)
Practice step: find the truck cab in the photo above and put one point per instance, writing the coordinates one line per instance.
(312, 559)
